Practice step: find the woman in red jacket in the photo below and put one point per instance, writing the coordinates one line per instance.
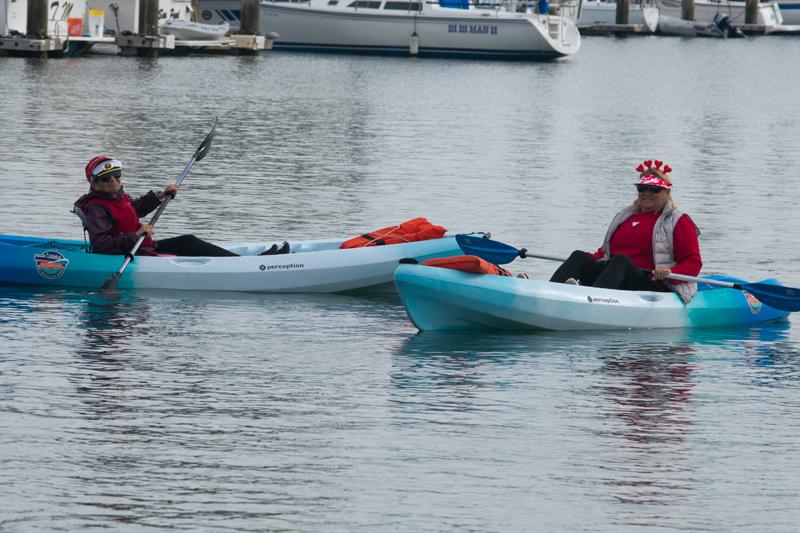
(112, 217)
(644, 244)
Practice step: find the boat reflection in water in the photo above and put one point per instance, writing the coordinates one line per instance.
(448, 28)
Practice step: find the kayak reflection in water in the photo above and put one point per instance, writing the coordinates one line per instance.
(646, 242)
(112, 218)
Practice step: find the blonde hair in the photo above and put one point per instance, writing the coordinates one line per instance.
(663, 176)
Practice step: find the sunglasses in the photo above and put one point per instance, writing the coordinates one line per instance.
(655, 189)
(117, 175)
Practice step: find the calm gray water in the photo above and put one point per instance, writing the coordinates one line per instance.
(245, 412)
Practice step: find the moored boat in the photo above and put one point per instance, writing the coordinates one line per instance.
(790, 11)
(445, 299)
(185, 30)
(720, 28)
(768, 13)
(603, 12)
(449, 28)
(312, 266)
(218, 11)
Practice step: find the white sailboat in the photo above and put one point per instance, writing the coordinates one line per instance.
(449, 28)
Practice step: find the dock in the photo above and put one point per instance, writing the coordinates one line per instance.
(614, 29)
(46, 36)
(642, 30)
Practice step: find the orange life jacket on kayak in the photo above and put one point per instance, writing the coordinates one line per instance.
(417, 229)
(467, 263)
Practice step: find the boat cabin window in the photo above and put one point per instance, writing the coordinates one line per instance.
(403, 6)
(370, 4)
(333, 2)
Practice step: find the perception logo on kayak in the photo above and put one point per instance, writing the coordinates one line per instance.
(752, 302)
(597, 300)
(290, 266)
(51, 264)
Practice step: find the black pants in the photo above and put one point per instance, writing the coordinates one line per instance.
(617, 273)
(191, 246)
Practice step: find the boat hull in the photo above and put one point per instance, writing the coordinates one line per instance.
(596, 12)
(313, 266)
(790, 11)
(219, 11)
(438, 299)
(768, 14)
(440, 32)
(192, 31)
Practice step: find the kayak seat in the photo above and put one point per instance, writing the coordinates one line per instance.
(85, 223)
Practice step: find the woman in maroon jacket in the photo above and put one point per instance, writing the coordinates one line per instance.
(644, 244)
(112, 217)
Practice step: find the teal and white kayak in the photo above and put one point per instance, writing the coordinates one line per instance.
(312, 266)
(444, 299)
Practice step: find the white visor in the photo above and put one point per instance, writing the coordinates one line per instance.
(107, 166)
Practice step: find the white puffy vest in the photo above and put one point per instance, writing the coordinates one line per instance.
(663, 251)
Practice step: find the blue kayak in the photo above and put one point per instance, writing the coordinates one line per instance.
(444, 299)
(312, 266)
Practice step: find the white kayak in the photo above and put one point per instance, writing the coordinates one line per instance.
(445, 299)
(312, 266)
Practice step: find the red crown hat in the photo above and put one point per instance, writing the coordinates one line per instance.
(654, 173)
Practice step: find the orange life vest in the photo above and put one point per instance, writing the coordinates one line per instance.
(417, 229)
(467, 263)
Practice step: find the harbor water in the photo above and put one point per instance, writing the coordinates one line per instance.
(170, 410)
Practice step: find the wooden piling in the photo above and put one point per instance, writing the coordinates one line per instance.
(623, 11)
(687, 10)
(250, 14)
(751, 12)
(37, 19)
(250, 21)
(148, 24)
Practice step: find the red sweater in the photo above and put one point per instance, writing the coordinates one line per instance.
(634, 238)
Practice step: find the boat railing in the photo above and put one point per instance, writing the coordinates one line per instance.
(566, 8)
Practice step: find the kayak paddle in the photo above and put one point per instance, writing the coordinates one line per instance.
(775, 296)
(200, 153)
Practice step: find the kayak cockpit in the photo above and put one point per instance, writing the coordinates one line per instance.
(255, 248)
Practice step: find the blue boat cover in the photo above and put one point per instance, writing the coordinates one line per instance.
(455, 4)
